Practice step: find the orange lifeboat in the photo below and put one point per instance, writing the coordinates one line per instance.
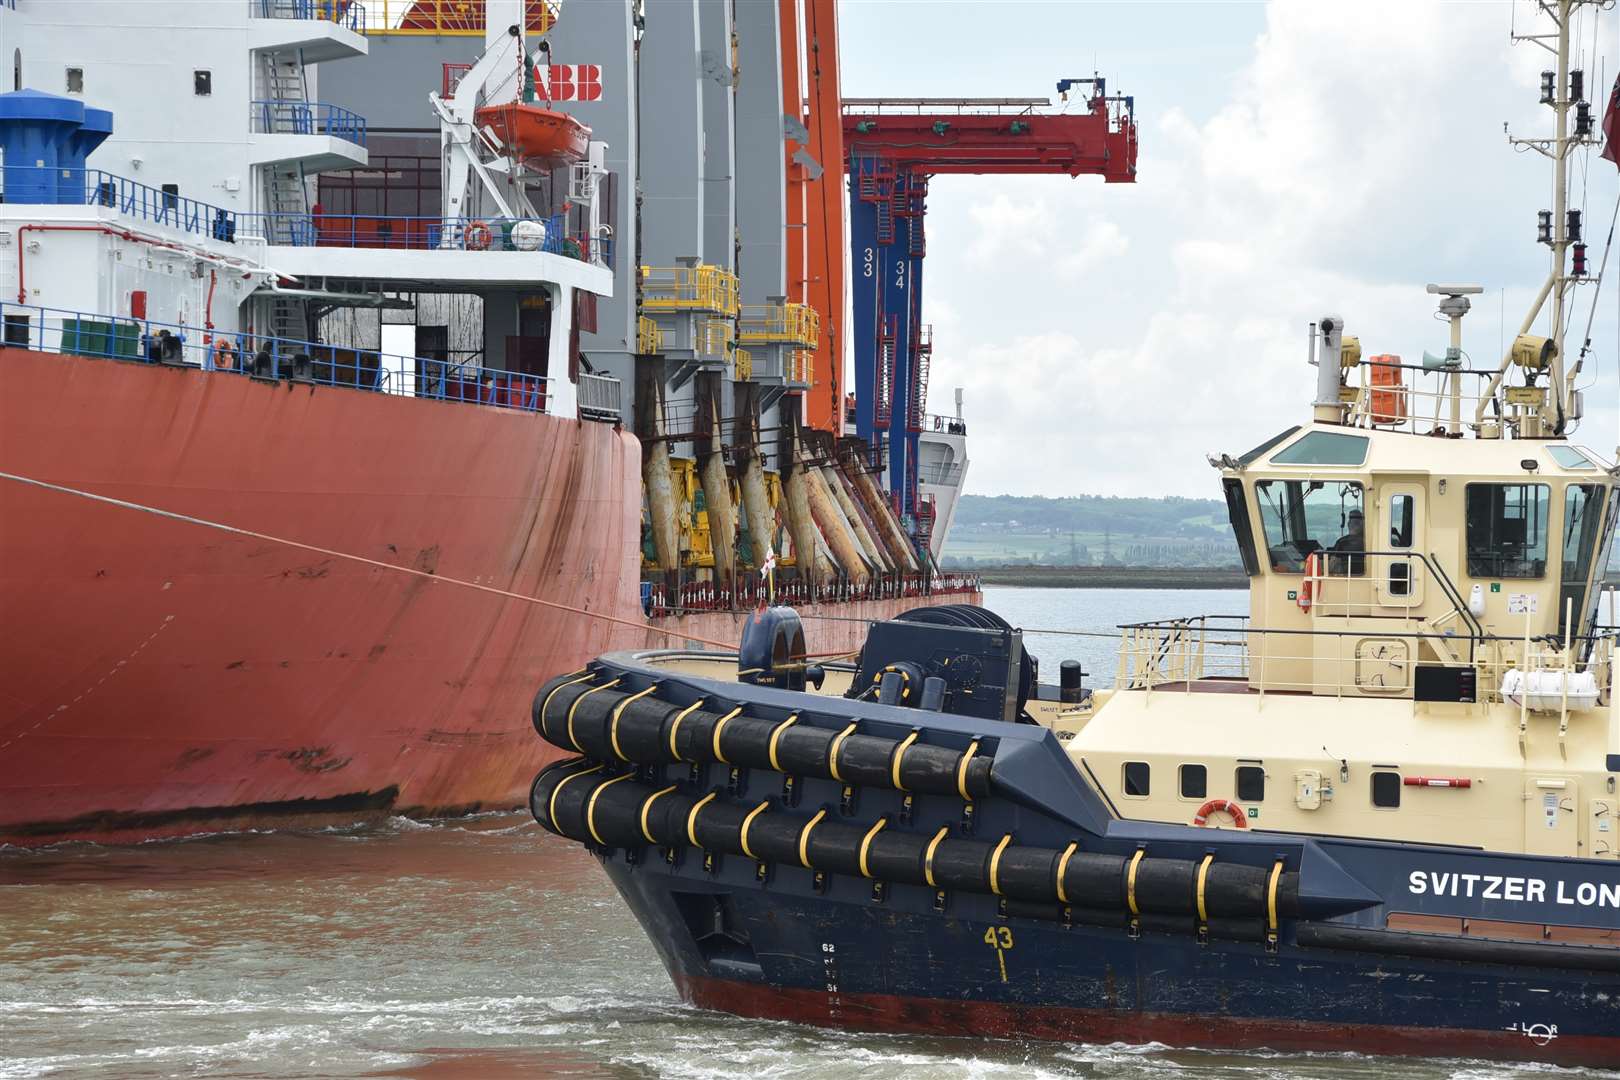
(535, 132)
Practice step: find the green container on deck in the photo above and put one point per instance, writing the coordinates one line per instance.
(91, 337)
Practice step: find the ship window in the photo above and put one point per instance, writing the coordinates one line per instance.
(202, 82)
(1137, 775)
(16, 69)
(1386, 790)
(1237, 509)
(1400, 521)
(1507, 530)
(1194, 782)
(1265, 448)
(1305, 516)
(75, 80)
(1324, 448)
(1250, 783)
(1570, 458)
(1583, 522)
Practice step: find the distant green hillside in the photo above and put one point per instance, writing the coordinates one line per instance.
(1089, 530)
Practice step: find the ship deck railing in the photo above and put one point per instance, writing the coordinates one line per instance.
(293, 117)
(659, 598)
(29, 185)
(346, 13)
(1229, 654)
(425, 233)
(443, 18)
(232, 353)
(1418, 399)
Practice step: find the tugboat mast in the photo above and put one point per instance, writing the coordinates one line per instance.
(1560, 227)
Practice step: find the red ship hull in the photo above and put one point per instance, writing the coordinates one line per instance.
(161, 678)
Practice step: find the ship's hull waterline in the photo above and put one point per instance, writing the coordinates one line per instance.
(163, 678)
(871, 967)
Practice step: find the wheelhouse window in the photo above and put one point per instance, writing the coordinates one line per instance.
(1583, 527)
(1303, 517)
(1137, 777)
(1237, 509)
(1507, 530)
(1324, 448)
(1194, 782)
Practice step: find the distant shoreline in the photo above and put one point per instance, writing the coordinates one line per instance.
(1114, 577)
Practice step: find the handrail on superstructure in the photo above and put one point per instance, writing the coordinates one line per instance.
(272, 116)
(700, 287)
(115, 337)
(346, 13)
(128, 197)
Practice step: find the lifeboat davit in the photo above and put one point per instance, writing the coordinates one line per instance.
(535, 132)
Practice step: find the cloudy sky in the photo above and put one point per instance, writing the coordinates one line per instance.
(1297, 158)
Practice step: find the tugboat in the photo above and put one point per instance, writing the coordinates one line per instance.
(1377, 812)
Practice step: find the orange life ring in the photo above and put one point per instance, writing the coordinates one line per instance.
(1313, 570)
(1239, 818)
(478, 236)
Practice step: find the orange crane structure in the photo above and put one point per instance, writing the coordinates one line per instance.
(893, 147)
(815, 192)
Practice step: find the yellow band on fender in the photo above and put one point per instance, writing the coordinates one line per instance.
(719, 726)
(899, 756)
(1063, 868)
(675, 726)
(866, 842)
(747, 821)
(618, 710)
(575, 706)
(804, 838)
(691, 819)
(1271, 896)
(832, 752)
(551, 803)
(776, 734)
(544, 705)
(1130, 882)
(1203, 878)
(646, 806)
(995, 864)
(928, 856)
(961, 771)
(590, 806)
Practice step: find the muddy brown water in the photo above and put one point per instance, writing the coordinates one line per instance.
(481, 948)
(476, 948)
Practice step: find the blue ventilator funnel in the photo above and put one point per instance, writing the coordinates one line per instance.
(79, 145)
(45, 139)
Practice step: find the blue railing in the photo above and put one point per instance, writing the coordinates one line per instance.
(56, 330)
(341, 12)
(308, 118)
(425, 233)
(32, 185)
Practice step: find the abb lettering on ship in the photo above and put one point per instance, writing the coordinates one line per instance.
(576, 82)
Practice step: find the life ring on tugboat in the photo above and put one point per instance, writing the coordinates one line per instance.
(478, 236)
(1215, 806)
(1313, 570)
